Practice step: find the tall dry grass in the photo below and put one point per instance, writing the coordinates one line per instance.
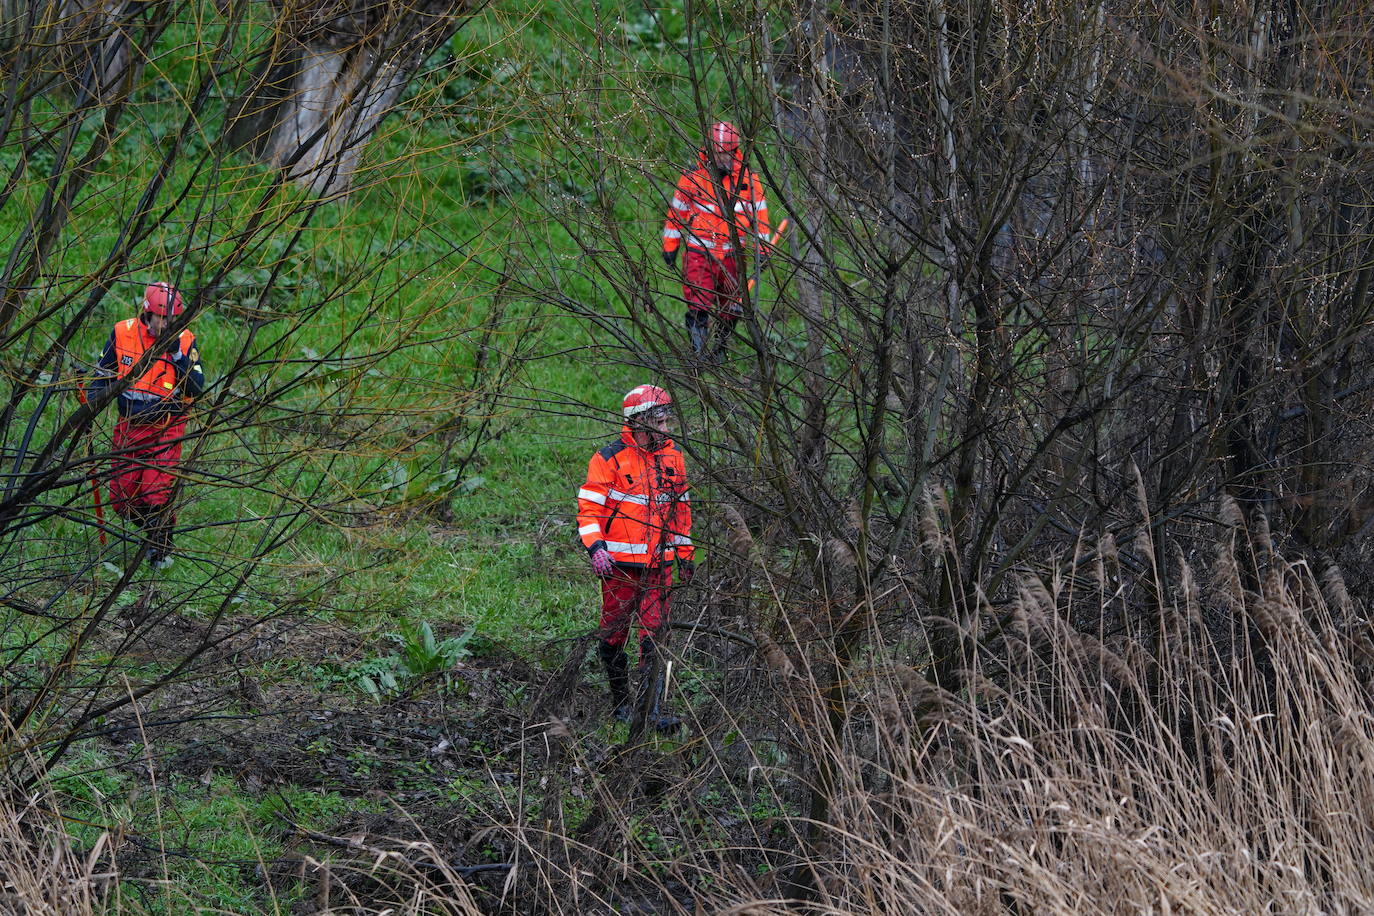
(1191, 762)
(42, 872)
(1207, 749)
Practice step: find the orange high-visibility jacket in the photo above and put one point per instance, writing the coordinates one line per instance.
(635, 504)
(131, 339)
(695, 212)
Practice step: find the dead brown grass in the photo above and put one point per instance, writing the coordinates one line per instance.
(1167, 767)
(1172, 772)
(41, 873)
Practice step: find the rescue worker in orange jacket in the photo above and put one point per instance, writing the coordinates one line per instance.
(719, 214)
(635, 520)
(152, 413)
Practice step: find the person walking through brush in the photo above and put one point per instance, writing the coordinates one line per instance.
(718, 213)
(158, 375)
(635, 520)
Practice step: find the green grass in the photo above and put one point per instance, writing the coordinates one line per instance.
(196, 837)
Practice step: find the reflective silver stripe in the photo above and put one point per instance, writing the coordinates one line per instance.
(680, 540)
(679, 204)
(628, 497)
(702, 243)
(589, 529)
(707, 208)
(592, 496)
(740, 206)
(622, 547)
(672, 234)
(696, 241)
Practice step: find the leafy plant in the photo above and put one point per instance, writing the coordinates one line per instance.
(375, 677)
(421, 655)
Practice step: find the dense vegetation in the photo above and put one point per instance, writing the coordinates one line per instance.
(1032, 494)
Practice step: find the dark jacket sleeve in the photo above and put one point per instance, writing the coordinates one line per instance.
(190, 375)
(105, 371)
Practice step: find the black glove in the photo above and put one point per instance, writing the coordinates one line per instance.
(686, 569)
(670, 258)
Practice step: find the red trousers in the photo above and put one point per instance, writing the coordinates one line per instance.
(145, 465)
(711, 284)
(630, 596)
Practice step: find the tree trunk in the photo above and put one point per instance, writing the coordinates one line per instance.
(85, 47)
(315, 103)
(97, 34)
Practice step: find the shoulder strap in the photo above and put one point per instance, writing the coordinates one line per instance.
(610, 451)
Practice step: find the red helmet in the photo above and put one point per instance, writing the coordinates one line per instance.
(159, 296)
(724, 136)
(645, 397)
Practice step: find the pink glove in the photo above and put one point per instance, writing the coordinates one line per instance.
(601, 563)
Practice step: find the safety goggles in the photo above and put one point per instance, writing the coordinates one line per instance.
(658, 414)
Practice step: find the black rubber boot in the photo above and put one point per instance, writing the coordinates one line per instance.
(145, 520)
(700, 333)
(618, 677)
(139, 517)
(649, 695)
(725, 329)
(664, 723)
(159, 541)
